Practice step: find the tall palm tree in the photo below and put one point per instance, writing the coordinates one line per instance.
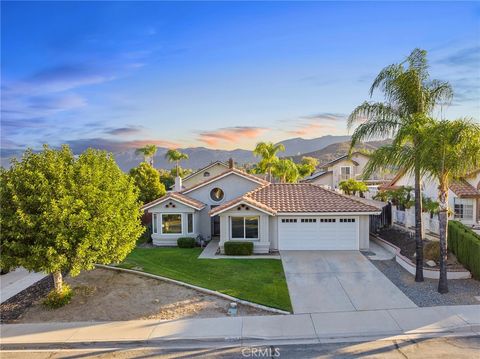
(176, 156)
(268, 152)
(456, 145)
(410, 96)
(148, 151)
(286, 170)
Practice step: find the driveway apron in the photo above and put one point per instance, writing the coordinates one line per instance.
(337, 281)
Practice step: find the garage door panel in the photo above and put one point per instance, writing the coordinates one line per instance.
(326, 233)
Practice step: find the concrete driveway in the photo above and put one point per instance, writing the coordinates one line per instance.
(336, 281)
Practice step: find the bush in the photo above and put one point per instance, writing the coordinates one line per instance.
(237, 248)
(56, 300)
(186, 242)
(465, 244)
(431, 250)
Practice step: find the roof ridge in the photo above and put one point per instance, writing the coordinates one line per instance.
(339, 194)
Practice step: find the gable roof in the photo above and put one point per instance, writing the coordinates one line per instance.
(344, 157)
(463, 189)
(316, 175)
(298, 198)
(186, 200)
(206, 168)
(231, 171)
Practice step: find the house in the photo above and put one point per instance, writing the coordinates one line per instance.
(343, 168)
(211, 170)
(235, 205)
(463, 194)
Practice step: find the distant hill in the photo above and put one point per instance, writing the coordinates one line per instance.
(336, 150)
(297, 146)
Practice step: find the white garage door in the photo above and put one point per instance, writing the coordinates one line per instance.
(318, 233)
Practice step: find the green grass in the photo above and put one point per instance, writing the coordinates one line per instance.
(257, 280)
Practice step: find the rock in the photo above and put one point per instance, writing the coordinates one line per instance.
(431, 263)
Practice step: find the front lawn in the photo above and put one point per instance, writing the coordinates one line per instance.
(257, 280)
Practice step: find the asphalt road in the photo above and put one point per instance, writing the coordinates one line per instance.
(434, 348)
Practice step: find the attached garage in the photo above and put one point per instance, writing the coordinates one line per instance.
(318, 233)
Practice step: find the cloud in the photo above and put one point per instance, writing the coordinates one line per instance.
(313, 128)
(229, 134)
(81, 145)
(329, 116)
(123, 131)
(314, 124)
(469, 57)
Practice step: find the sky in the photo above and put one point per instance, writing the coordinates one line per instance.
(225, 75)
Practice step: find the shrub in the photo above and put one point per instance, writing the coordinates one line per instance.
(431, 250)
(186, 242)
(237, 248)
(465, 244)
(56, 300)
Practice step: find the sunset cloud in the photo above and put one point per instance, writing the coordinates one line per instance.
(230, 134)
(314, 128)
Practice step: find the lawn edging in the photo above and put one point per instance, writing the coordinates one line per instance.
(200, 289)
(409, 266)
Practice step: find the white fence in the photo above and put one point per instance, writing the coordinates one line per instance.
(407, 219)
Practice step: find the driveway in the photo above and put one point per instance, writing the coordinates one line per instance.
(336, 281)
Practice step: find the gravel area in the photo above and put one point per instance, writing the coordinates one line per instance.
(461, 291)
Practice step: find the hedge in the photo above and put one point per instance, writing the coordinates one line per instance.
(465, 244)
(186, 242)
(237, 248)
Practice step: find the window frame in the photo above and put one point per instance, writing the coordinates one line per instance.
(155, 223)
(188, 223)
(216, 200)
(244, 238)
(161, 224)
(350, 174)
(462, 207)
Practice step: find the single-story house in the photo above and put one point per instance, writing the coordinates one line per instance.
(463, 194)
(235, 205)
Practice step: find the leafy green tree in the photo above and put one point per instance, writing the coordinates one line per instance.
(62, 214)
(176, 156)
(147, 180)
(450, 150)
(268, 153)
(351, 186)
(307, 166)
(410, 97)
(286, 170)
(182, 172)
(148, 152)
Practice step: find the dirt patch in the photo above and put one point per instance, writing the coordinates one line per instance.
(406, 242)
(104, 295)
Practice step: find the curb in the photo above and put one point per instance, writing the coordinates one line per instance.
(409, 266)
(200, 289)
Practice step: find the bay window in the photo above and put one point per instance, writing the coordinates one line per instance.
(172, 223)
(244, 227)
(190, 223)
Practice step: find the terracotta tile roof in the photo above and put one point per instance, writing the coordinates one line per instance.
(299, 198)
(189, 201)
(226, 173)
(463, 189)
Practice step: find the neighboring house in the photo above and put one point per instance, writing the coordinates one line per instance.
(238, 206)
(211, 170)
(343, 168)
(463, 194)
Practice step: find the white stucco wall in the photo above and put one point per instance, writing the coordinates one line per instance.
(200, 176)
(232, 185)
(364, 232)
(325, 180)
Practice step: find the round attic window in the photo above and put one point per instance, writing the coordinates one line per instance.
(216, 194)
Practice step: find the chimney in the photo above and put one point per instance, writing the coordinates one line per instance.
(178, 184)
(230, 163)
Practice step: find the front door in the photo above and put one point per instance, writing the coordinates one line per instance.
(215, 224)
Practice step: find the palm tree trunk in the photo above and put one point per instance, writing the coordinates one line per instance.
(443, 222)
(418, 226)
(58, 281)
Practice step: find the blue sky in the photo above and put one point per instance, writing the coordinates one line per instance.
(116, 75)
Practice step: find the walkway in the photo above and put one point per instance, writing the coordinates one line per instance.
(17, 280)
(338, 281)
(307, 328)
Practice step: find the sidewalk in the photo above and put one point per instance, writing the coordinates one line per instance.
(17, 280)
(305, 328)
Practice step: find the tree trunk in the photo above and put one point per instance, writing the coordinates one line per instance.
(418, 226)
(58, 281)
(443, 223)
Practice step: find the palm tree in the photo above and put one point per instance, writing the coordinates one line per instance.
(286, 170)
(148, 151)
(268, 152)
(410, 96)
(176, 156)
(456, 145)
